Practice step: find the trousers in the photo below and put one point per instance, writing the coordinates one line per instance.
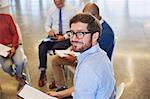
(58, 71)
(17, 59)
(44, 47)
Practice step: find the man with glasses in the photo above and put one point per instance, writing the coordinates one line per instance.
(106, 43)
(94, 77)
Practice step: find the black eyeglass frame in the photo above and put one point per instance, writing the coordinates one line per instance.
(76, 33)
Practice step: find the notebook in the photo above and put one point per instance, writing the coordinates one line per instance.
(4, 50)
(28, 92)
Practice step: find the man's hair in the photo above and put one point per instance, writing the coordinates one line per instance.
(61, 0)
(93, 24)
(94, 8)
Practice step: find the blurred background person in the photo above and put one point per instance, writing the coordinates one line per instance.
(56, 26)
(9, 37)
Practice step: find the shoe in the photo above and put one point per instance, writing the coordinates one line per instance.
(21, 85)
(61, 88)
(25, 78)
(52, 85)
(43, 79)
(68, 97)
(22, 82)
(12, 70)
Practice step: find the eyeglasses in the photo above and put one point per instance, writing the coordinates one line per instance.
(79, 35)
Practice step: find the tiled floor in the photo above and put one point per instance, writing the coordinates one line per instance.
(130, 20)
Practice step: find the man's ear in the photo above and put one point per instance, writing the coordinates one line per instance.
(95, 37)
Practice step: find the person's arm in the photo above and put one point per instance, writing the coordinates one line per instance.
(70, 58)
(12, 51)
(48, 26)
(15, 37)
(61, 94)
(49, 23)
(13, 31)
(60, 37)
(73, 11)
(86, 83)
(107, 39)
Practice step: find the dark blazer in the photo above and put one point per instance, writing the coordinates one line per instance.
(106, 41)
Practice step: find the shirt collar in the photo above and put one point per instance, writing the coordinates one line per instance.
(91, 50)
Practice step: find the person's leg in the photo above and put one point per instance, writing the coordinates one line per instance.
(43, 48)
(18, 60)
(58, 70)
(6, 63)
(61, 45)
(43, 56)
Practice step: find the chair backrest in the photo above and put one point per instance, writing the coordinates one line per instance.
(120, 90)
(114, 49)
(0, 90)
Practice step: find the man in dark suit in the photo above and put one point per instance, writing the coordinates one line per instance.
(106, 41)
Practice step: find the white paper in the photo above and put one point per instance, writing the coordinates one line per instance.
(64, 53)
(4, 50)
(29, 92)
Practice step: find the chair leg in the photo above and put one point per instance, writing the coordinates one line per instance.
(27, 71)
(68, 70)
(120, 90)
(66, 74)
(0, 91)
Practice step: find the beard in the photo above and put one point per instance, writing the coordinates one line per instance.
(80, 46)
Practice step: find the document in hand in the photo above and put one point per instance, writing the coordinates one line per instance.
(28, 92)
(4, 50)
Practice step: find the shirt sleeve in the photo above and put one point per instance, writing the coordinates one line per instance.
(86, 84)
(107, 40)
(73, 11)
(14, 32)
(48, 24)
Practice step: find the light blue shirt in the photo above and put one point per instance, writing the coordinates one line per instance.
(94, 77)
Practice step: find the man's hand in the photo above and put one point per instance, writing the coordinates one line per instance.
(61, 94)
(58, 95)
(51, 33)
(70, 58)
(60, 37)
(12, 51)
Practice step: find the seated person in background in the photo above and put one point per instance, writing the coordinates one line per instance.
(106, 43)
(107, 37)
(94, 78)
(56, 25)
(9, 37)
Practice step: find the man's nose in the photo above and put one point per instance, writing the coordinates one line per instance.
(74, 37)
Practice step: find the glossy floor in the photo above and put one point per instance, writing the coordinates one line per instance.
(130, 21)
